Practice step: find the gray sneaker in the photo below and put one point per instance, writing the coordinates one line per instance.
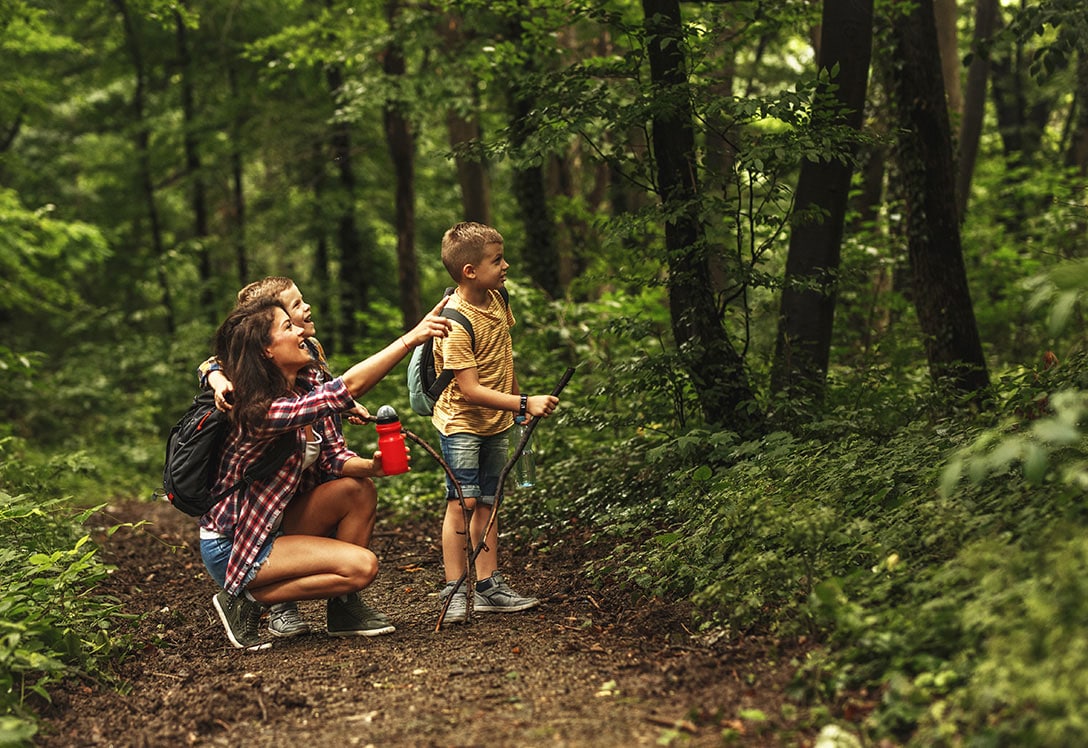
(284, 620)
(355, 618)
(241, 618)
(499, 598)
(457, 611)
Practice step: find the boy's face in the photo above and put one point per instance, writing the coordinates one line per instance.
(490, 273)
(300, 312)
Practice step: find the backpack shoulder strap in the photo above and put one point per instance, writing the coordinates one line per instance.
(462, 320)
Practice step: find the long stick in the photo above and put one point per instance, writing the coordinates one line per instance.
(498, 498)
(457, 486)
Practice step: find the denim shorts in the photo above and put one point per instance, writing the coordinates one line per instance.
(216, 555)
(476, 462)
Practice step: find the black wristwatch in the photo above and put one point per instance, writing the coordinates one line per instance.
(524, 404)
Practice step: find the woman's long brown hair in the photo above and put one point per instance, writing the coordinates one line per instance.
(240, 343)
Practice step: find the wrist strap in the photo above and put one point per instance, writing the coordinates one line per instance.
(524, 403)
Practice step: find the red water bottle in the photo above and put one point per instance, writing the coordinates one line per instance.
(391, 441)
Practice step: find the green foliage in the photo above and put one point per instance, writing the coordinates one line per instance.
(52, 625)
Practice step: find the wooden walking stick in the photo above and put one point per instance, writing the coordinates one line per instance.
(474, 552)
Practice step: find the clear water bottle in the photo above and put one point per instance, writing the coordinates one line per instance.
(525, 467)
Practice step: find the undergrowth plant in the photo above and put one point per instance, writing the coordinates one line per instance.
(54, 624)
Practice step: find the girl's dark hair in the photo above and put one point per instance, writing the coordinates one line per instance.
(240, 343)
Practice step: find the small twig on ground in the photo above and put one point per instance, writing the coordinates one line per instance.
(677, 724)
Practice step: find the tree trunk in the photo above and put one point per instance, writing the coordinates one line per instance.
(1076, 155)
(398, 134)
(472, 173)
(142, 140)
(238, 194)
(540, 253)
(947, 15)
(715, 368)
(354, 262)
(942, 298)
(464, 129)
(808, 299)
(198, 197)
(974, 106)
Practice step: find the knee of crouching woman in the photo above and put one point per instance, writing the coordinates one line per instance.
(363, 567)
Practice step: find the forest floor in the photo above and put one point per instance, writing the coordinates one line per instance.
(589, 667)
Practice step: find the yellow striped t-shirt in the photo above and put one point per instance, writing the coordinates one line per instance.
(493, 360)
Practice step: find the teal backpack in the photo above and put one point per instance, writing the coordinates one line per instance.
(424, 383)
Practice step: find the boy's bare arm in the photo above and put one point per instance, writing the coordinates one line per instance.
(477, 394)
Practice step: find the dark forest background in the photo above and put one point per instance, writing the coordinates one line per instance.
(818, 266)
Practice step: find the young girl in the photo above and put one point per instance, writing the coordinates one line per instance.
(300, 534)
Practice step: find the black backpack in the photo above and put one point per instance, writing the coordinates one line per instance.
(424, 383)
(192, 457)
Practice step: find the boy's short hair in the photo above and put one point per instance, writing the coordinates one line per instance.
(463, 244)
(269, 287)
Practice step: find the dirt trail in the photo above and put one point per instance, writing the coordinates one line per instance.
(588, 668)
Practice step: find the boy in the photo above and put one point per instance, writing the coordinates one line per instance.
(474, 414)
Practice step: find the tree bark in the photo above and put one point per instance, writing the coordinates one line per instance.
(238, 192)
(942, 298)
(142, 141)
(354, 286)
(198, 196)
(807, 314)
(974, 104)
(401, 141)
(713, 365)
(464, 129)
(540, 252)
(947, 15)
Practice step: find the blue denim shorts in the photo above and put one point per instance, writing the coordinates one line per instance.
(216, 555)
(476, 462)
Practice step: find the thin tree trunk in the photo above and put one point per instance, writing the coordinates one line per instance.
(974, 105)
(464, 129)
(142, 141)
(198, 197)
(715, 368)
(808, 299)
(947, 15)
(942, 298)
(238, 194)
(472, 173)
(540, 253)
(354, 285)
(398, 135)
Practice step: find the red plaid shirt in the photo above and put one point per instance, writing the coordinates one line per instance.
(250, 515)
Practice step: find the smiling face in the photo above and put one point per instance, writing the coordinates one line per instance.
(287, 349)
(300, 311)
(490, 271)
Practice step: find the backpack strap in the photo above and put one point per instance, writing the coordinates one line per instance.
(445, 376)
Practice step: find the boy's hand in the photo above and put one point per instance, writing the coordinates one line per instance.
(223, 389)
(541, 406)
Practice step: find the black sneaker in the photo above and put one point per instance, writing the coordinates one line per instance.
(241, 618)
(355, 618)
(457, 611)
(284, 620)
(499, 598)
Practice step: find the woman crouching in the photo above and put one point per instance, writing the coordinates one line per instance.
(300, 534)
